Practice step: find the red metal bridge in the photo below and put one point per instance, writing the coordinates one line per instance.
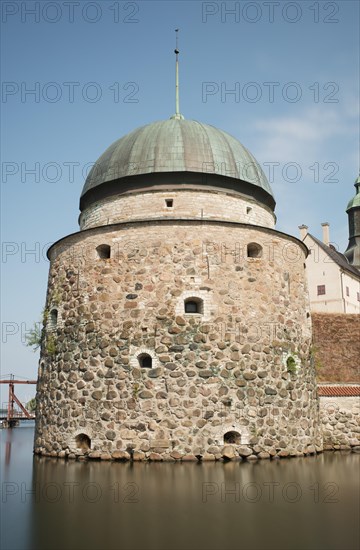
(15, 410)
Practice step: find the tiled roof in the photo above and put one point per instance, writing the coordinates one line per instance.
(339, 391)
(337, 257)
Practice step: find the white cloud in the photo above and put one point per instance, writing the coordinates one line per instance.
(306, 137)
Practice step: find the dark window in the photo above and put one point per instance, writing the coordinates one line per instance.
(169, 203)
(83, 441)
(347, 291)
(103, 251)
(232, 437)
(358, 296)
(145, 361)
(193, 305)
(320, 290)
(53, 318)
(254, 250)
(248, 210)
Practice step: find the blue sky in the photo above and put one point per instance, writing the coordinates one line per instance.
(100, 69)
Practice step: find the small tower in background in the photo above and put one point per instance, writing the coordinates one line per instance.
(352, 252)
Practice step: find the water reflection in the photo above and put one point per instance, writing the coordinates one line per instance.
(8, 448)
(309, 503)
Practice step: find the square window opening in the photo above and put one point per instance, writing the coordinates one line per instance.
(320, 290)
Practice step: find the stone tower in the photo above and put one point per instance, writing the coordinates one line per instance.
(177, 319)
(352, 252)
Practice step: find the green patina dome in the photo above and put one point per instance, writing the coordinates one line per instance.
(355, 202)
(177, 146)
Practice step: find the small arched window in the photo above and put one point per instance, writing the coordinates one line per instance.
(83, 442)
(193, 305)
(103, 251)
(232, 437)
(53, 318)
(145, 361)
(254, 250)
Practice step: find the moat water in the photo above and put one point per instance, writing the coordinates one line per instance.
(290, 504)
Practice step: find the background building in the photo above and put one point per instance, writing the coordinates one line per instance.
(334, 284)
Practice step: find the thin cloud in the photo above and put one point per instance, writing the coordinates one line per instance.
(303, 138)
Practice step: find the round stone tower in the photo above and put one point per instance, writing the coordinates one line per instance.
(352, 252)
(177, 321)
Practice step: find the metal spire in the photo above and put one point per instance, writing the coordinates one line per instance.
(177, 115)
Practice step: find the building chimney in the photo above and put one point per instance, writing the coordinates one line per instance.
(326, 233)
(303, 231)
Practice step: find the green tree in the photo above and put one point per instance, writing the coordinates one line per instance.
(31, 405)
(33, 337)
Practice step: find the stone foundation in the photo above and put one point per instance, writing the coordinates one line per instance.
(340, 420)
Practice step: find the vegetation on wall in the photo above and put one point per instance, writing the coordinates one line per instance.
(50, 345)
(31, 405)
(291, 364)
(34, 337)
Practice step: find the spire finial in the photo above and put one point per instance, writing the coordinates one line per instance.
(177, 115)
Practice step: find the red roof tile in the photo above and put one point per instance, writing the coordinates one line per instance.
(339, 391)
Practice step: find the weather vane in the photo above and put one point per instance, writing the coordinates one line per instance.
(177, 42)
(177, 115)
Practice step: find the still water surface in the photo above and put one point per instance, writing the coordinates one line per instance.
(298, 504)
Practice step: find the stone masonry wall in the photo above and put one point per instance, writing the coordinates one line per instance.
(340, 419)
(337, 346)
(186, 204)
(241, 367)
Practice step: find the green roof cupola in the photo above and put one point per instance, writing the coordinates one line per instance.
(176, 154)
(355, 202)
(352, 252)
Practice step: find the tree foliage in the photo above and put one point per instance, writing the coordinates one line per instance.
(31, 405)
(33, 337)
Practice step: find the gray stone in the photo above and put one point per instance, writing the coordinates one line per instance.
(206, 373)
(161, 395)
(249, 375)
(155, 457)
(97, 395)
(263, 455)
(270, 391)
(244, 451)
(145, 394)
(111, 395)
(120, 455)
(155, 372)
(262, 374)
(170, 366)
(228, 452)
